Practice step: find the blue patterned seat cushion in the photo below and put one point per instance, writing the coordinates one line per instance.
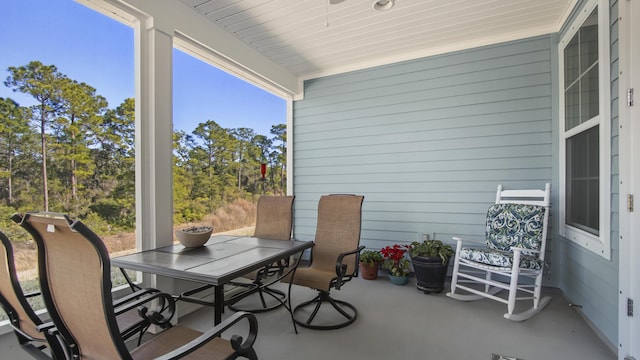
(500, 258)
(510, 225)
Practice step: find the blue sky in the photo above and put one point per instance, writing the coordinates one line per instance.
(92, 48)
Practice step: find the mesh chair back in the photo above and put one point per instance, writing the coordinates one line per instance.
(274, 217)
(338, 230)
(11, 294)
(76, 285)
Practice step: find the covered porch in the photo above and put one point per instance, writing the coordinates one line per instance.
(425, 132)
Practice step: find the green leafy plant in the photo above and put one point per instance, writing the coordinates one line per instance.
(371, 256)
(395, 260)
(431, 248)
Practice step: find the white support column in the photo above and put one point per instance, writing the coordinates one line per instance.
(629, 161)
(290, 135)
(154, 189)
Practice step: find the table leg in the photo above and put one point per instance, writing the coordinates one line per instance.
(218, 303)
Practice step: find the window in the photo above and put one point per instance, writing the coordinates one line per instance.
(584, 129)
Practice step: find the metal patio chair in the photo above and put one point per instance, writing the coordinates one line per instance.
(34, 334)
(75, 278)
(274, 220)
(130, 321)
(334, 262)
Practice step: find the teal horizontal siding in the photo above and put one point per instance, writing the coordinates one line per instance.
(426, 141)
(464, 64)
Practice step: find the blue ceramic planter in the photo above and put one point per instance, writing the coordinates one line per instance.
(398, 280)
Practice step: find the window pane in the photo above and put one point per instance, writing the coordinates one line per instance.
(571, 62)
(589, 92)
(589, 42)
(581, 74)
(583, 182)
(572, 106)
(577, 212)
(580, 159)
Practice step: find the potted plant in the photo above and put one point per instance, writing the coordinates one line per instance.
(369, 262)
(430, 260)
(396, 263)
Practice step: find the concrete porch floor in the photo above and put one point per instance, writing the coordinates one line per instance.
(400, 322)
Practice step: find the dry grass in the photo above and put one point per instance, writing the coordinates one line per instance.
(240, 213)
(238, 218)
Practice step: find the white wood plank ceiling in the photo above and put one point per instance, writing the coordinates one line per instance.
(314, 38)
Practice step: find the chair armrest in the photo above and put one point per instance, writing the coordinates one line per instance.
(45, 326)
(517, 255)
(48, 327)
(520, 249)
(160, 316)
(342, 268)
(459, 239)
(134, 295)
(242, 348)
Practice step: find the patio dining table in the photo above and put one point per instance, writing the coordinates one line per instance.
(222, 259)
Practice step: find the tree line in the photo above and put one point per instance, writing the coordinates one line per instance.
(72, 153)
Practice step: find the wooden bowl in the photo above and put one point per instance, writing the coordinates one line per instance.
(194, 236)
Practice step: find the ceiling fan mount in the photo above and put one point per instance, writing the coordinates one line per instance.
(379, 5)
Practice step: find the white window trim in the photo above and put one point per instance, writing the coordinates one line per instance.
(601, 244)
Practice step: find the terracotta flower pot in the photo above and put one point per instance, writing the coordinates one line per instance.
(369, 270)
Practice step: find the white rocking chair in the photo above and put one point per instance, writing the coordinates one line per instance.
(513, 259)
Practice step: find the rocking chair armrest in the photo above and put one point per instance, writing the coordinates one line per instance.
(521, 249)
(243, 348)
(459, 239)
